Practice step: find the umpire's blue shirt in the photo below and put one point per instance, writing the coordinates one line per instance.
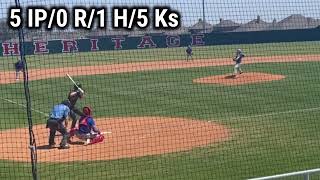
(60, 112)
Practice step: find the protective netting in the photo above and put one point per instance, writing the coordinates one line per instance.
(232, 93)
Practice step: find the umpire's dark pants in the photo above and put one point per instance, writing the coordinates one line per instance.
(57, 125)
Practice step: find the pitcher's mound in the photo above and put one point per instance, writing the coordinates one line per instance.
(244, 78)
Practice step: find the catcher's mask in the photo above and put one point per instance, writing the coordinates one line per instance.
(87, 111)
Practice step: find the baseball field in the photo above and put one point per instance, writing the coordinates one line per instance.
(170, 118)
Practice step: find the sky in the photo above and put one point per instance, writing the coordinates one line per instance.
(191, 10)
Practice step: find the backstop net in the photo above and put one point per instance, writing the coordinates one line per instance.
(158, 89)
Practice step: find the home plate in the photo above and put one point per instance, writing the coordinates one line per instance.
(106, 132)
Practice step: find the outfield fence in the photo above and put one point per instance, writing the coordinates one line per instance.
(231, 92)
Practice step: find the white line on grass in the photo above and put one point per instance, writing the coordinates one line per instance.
(22, 105)
(277, 113)
(241, 117)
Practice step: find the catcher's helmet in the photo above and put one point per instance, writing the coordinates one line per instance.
(87, 111)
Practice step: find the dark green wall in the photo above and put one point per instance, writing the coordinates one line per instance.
(105, 43)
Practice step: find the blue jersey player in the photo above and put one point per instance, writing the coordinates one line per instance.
(19, 66)
(238, 60)
(189, 52)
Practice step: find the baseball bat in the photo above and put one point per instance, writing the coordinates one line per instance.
(75, 84)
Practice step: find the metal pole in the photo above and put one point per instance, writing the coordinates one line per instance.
(203, 17)
(306, 177)
(32, 140)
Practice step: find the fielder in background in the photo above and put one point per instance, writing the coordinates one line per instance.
(57, 118)
(19, 66)
(87, 130)
(73, 96)
(238, 60)
(189, 52)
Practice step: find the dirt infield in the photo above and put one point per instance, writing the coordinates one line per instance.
(37, 74)
(245, 78)
(130, 137)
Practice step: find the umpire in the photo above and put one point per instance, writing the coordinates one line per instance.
(76, 93)
(56, 121)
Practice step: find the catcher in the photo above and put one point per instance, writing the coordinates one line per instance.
(189, 52)
(238, 60)
(87, 129)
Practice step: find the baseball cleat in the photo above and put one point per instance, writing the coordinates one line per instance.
(52, 145)
(64, 146)
(88, 141)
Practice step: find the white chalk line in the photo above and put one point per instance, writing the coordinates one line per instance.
(234, 118)
(22, 105)
(106, 132)
(277, 113)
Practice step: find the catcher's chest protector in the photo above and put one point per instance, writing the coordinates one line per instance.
(84, 121)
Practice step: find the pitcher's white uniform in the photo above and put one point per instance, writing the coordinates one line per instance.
(238, 60)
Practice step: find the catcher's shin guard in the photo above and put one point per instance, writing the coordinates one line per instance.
(97, 139)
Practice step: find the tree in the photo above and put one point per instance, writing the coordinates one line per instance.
(5, 32)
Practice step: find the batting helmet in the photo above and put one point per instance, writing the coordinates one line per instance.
(87, 111)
